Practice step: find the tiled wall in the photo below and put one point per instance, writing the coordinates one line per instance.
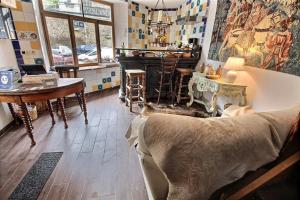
(137, 25)
(27, 45)
(100, 79)
(197, 29)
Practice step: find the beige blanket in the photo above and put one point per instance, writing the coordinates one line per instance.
(198, 156)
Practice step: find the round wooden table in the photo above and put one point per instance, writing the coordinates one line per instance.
(22, 94)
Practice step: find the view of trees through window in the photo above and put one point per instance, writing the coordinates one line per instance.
(70, 34)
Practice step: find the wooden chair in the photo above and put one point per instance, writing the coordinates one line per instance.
(67, 70)
(182, 74)
(135, 81)
(166, 73)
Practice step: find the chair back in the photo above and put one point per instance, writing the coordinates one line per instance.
(62, 70)
(169, 65)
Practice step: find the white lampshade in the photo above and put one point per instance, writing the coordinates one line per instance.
(235, 64)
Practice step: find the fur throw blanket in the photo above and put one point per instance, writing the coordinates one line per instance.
(198, 156)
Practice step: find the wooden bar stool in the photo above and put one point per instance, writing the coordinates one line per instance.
(166, 72)
(182, 73)
(135, 82)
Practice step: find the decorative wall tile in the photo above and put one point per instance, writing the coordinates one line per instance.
(39, 61)
(137, 27)
(27, 47)
(193, 8)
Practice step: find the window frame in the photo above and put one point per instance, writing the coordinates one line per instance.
(70, 19)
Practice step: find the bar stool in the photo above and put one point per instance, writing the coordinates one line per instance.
(166, 72)
(181, 74)
(135, 81)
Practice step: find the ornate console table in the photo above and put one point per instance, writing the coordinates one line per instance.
(200, 84)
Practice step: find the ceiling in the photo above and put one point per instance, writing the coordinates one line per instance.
(168, 3)
(152, 3)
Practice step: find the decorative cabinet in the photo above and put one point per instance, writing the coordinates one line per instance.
(200, 84)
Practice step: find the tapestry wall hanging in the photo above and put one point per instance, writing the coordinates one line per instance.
(265, 32)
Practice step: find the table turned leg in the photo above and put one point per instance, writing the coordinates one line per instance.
(27, 122)
(83, 97)
(30, 120)
(62, 111)
(50, 109)
(13, 113)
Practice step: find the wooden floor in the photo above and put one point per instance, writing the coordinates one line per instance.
(96, 164)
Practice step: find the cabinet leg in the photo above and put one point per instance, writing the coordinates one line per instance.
(179, 89)
(191, 92)
(62, 111)
(213, 108)
(50, 109)
(27, 123)
(83, 97)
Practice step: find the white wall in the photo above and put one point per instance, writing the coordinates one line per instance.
(121, 24)
(39, 25)
(267, 90)
(7, 59)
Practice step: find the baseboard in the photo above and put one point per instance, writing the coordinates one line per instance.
(8, 127)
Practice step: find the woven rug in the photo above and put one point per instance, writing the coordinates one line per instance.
(176, 110)
(33, 183)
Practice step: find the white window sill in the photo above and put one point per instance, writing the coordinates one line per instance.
(100, 66)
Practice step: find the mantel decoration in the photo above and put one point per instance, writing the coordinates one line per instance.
(265, 32)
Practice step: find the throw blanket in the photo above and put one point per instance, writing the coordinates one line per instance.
(198, 156)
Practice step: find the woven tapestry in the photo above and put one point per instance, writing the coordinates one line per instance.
(265, 32)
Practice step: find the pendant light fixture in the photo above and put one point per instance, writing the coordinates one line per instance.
(163, 18)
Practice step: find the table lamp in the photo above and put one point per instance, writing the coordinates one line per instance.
(233, 64)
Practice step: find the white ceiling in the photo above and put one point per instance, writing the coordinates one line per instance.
(152, 3)
(168, 3)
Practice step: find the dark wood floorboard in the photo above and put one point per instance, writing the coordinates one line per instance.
(97, 162)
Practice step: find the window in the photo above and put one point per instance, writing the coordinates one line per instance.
(85, 38)
(72, 7)
(96, 10)
(60, 41)
(6, 26)
(78, 32)
(106, 42)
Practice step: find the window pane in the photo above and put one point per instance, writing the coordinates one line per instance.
(85, 37)
(106, 42)
(60, 41)
(96, 10)
(64, 6)
(6, 24)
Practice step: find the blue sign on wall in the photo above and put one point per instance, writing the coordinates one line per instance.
(6, 80)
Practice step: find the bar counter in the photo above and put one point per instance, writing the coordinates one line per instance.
(150, 65)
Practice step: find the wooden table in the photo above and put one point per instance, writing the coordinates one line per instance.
(199, 84)
(22, 94)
